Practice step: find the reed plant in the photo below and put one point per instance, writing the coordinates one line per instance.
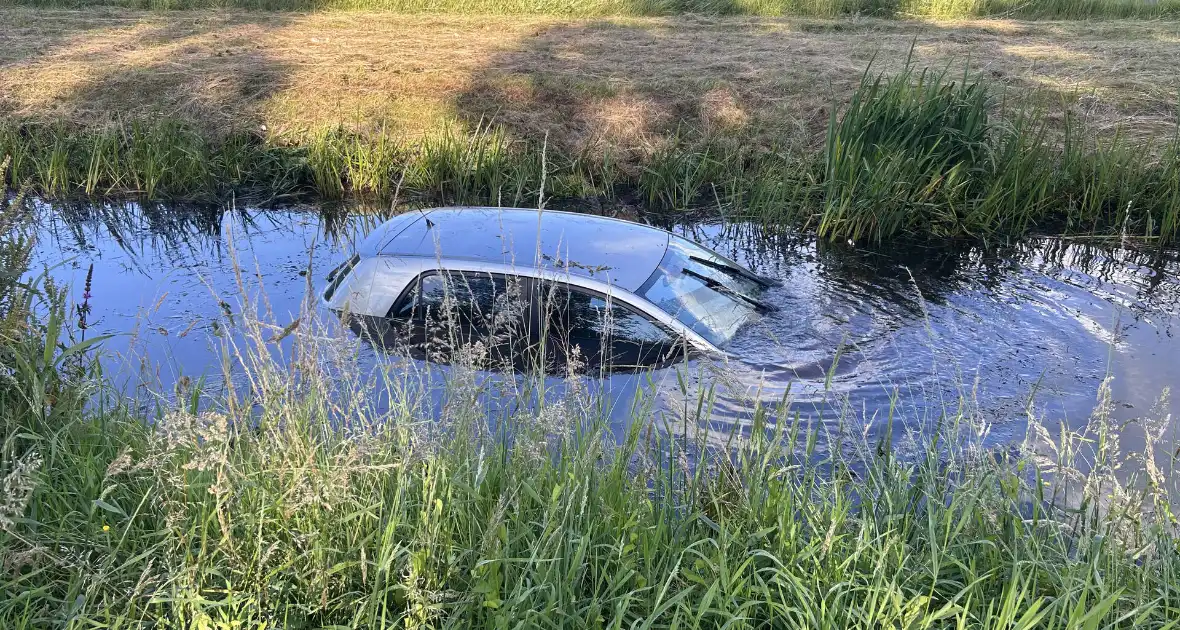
(676, 175)
(920, 153)
(482, 167)
(154, 161)
(168, 160)
(906, 148)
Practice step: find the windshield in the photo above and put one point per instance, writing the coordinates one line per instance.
(702, 290)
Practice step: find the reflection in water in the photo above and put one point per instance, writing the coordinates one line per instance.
(168, 282)
(860, 334)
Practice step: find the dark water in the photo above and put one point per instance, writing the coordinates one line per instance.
(1037, 325)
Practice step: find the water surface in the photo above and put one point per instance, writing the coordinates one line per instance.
(862, 333)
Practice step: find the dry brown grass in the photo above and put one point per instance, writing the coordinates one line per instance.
(625, 83)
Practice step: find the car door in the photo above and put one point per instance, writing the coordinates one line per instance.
(468, 316)
(598, 332)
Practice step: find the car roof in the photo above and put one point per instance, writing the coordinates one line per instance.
(621, 253)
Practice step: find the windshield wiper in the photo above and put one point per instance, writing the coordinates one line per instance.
(737, 271)
(759, 305)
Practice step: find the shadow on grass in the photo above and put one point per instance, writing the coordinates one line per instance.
(197, 69)
(609, 84)
(27, 35)
(766, 82)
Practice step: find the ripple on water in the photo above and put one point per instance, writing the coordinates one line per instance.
(917, 329)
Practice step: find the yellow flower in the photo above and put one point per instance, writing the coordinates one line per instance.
(106, 528)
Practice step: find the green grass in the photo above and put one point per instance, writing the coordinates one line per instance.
(1034, 9)
(170, 161)
(917, 153)
(903, 148)
(298, 502)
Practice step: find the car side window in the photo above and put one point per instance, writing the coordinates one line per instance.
(604, 330)
(629, 325)
(474, 304)
(594, 316)
(403, 309)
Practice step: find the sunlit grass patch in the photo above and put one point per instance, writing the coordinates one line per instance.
(627, 83)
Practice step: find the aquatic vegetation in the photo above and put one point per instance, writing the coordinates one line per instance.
(153, 161)
(16, 246)
(903, 149)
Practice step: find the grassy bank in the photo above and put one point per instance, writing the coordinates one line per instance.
(915, 153)
(627, 85)
(1070, 128)
(300, 501)
(1049, 9)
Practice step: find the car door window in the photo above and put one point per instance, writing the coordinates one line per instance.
(403, 310)
(400, 329)
(451, 310)
(605, 332)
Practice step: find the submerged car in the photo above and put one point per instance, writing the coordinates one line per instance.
(523, 285)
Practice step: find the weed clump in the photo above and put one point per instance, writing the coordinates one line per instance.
(904, 152)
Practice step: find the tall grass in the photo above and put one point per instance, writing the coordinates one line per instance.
(903, 145)
(918, 152)
(156, 161)
(1033, 9)
(320, 494)
(915, 153)
(170, 161)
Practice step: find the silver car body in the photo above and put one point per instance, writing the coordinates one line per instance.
(609, 256)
